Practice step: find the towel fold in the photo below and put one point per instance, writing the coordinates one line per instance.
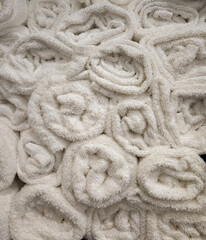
(36, 164)
(12, 14)
(28, 60)
(161, 15)
(8, 155)
(171, 179)
(120, 3)
(43, 15)
(124, 67)
(180, 53)
(6, 198)
(117, 222)
(13, 108)
(175, 226)
(10, 36)
(94, 25)
(97, 172)
(133, 125)
(161, 88)
(189, 114)
(41, 212)
(66, 111)
(202, 14)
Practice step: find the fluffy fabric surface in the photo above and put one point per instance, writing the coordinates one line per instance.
(102, 119)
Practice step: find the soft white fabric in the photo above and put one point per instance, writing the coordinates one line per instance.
(153, 16)
(117, 222)
(103, 119)
(8, 155)
(97, 172)
(36, 164)
(44, 14)
(12, 14)
(61, 111)
(171, 179)
(13, 108)
(123, 68)
(95, 25)
(176, 226)
(133, 125)
(6, 198)
(41, 211)
(28, 59)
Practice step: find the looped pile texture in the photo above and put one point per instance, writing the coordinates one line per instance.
(102, 119)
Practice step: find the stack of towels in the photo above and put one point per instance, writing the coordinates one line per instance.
(102, 119)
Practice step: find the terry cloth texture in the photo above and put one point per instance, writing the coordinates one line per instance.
(102, 119)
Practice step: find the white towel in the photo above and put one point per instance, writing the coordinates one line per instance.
(8, 155)
(66, 111)
(180, 59)
(202, 14)
(9, 37)
(153, 17)
(124, 67)
(12, 14)
(171, 179)
(27, 61)
(180, 53)
(175, 226)
(97, 172)
(13, 108)
(133, 125)
(36, 163)
(94, 25)
(41, 212)
(43, 15)
(117, 222)
(6, 198)
(120, 3)
(190, 118)
(161, 101)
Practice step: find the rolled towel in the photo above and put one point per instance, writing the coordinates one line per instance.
(62, 111)
(36, 163)
(180, 53)
(189, 115)
(12, 14)
(159, 15)
(133, 125)
(117, 222)
(44, 14)
(94, 25)
(97, 172)
(175, 226)
(171, 179)
(41, 212)
(8, 155)
(6, 198)
(120, 3)
(25, 64)
(123, 67)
